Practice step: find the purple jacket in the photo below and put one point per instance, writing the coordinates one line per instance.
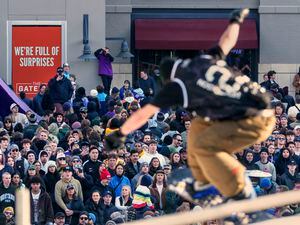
(104, 60)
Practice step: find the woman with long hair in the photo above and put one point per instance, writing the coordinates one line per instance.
(158, 190)
(74, 205)
(282, 161)
(3, 166)
(124, 201)
(154, 166)
(93, 205)
(176, 161)
(8, 125)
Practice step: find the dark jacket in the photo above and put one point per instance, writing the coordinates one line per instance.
(46, 213)
(92, 207)
(37, 104)
(50, 180)
(130, 171)
(287, 179)
(147, 85)
(77, 206)
(90, 167)
(60, 91)
(7, 197)
(92, 110)
(281, 163)
(87, 183)
(108, 210)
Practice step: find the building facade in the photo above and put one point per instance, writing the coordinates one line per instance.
(277, 25)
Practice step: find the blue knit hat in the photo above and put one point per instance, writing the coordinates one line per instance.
(265, 183)
(92, 217)
(146, 181)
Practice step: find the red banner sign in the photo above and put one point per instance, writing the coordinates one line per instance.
(36, 53)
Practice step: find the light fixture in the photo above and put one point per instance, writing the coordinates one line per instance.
(124, 53)
(87, 52)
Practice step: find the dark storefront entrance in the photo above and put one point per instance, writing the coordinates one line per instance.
(180, 35)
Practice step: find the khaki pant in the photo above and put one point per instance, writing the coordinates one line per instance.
(210, 145)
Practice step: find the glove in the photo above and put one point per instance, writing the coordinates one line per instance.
(114, 140)
(238, 16)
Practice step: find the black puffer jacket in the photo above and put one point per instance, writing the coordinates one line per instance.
(96, 209)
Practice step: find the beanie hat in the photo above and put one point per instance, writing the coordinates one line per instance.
(13, 146)
(143, 164)
(160, 117)
(92, 217)
(32, 118)
(67, 106)
(146, 181)
(104, 175)
(49, 164)
(30, 152)
(265, 183)
(76, 125)
(115, 90)
(263, 149)
(93, 93)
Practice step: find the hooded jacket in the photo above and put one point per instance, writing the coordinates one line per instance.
(45, 214)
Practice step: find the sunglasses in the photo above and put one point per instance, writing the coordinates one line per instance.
(8, 213)
(76, 161)
(15, 150)
(62, 159)
(84, 218)
(281, 138)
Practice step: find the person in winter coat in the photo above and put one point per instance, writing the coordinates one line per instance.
(51, 177)
(248, 161)
(7, 192)
(107, 206)
(74, 204)
(40, 203)
(93, 205)
(61, 89)
(282, 161)
(118, 181)
(288, 178)
(124, 201)
(37, 100)
(61, 186)
(158, 190)
(92, 110)
(142, 199)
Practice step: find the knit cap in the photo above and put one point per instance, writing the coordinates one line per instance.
(105, 175)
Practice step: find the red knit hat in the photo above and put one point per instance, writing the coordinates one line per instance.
(105, 174)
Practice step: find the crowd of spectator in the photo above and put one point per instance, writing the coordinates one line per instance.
(61, 158)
